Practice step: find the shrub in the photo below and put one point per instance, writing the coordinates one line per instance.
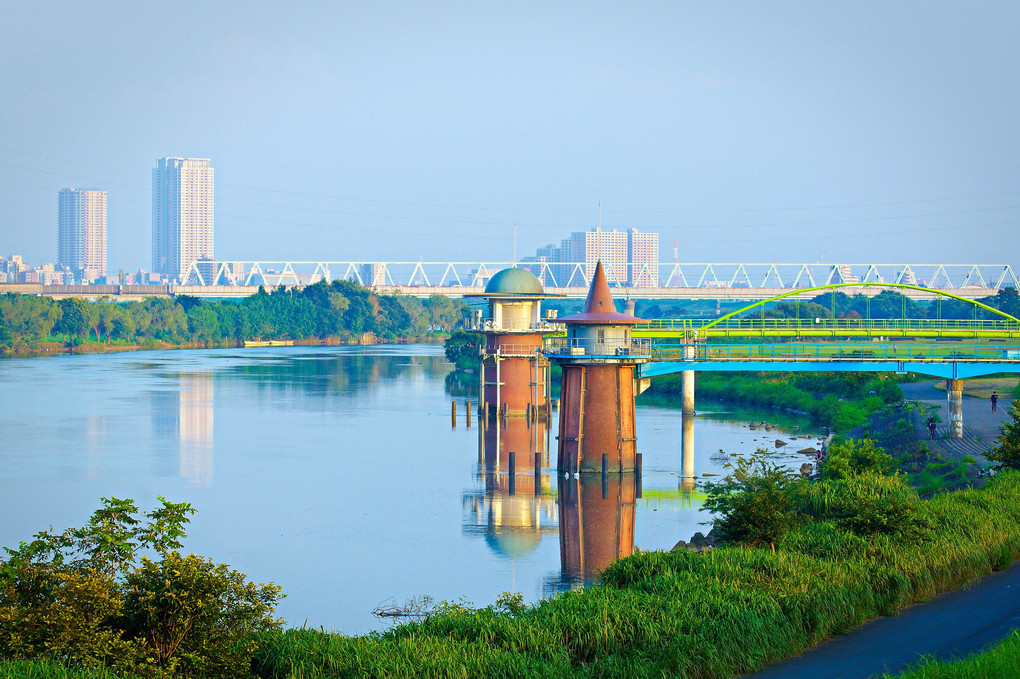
(82, 599)
(194, 617)
(1006, 452)
(854, 458)
(866, 505)
(754, 503)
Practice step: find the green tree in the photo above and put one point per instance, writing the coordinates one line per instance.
(807, 310)
(461, 348)
(1006, 452)
(1006, 300)
(29, 318)
(75, 318)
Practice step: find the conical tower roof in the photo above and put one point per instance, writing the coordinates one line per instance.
(599, 308)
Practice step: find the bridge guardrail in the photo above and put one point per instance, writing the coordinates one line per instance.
(836, 352)
(684, 324)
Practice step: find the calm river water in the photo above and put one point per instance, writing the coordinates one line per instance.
(336, 473)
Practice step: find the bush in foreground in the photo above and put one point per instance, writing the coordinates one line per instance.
(88, 598)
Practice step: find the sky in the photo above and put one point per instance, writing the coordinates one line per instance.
(744, 131)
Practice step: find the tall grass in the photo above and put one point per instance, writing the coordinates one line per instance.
(717, 614)
(1002, 661)
(48, 669)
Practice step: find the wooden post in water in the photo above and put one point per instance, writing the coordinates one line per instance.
(513, 472)
(453, 413)
(538, 473)
(637, 473)
(467, 409)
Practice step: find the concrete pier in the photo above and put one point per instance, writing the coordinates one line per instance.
(954, 394)
(687, 381)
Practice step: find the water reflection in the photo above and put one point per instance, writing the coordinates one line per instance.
(515, 506)
(596, 524)
(183, 418)
(343, 372)
(687, 452)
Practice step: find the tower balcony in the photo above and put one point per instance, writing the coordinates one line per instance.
(609, 349)
(524, 327)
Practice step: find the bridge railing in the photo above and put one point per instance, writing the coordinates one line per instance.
(831, 351)
(562, 346)
(685, 324)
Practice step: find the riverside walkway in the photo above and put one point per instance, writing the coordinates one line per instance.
(951, 625)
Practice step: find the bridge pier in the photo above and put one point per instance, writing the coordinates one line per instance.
(954, 396)
(687, 408)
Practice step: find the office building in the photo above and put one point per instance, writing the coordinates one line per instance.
(182, 215)
(81, 233)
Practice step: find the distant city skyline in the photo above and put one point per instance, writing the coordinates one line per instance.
(785, 131)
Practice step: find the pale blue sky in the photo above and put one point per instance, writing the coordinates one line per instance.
(749, 131)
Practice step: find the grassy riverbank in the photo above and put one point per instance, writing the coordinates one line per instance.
(860, 547)
(716, 614)
(840, 401)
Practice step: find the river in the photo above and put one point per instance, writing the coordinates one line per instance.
(337, 473)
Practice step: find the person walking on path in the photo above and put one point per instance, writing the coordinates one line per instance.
(995, 401)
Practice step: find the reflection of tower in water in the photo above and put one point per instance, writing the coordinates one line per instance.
(515, 507)
(196, 427)
(596, 523)
(184, 415)
(687, 452)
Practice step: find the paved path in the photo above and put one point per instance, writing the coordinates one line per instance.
(951, 625)
(980, 424)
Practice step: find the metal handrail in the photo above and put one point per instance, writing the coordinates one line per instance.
(563, 346)
(832, 351)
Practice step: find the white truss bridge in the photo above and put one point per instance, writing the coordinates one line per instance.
(464, 277)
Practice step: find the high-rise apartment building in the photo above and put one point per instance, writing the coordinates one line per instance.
(182, 215)
(628, 257)
(81, 232)
(643, 253)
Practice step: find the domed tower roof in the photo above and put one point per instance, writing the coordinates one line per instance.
(514, 281)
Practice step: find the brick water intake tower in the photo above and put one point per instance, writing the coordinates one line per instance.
(514, 374)
(599, 383)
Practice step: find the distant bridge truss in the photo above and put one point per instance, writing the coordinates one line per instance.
(720, 281)
(706, 280)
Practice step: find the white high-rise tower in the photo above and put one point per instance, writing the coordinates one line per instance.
(81, 232)
(182, 215)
